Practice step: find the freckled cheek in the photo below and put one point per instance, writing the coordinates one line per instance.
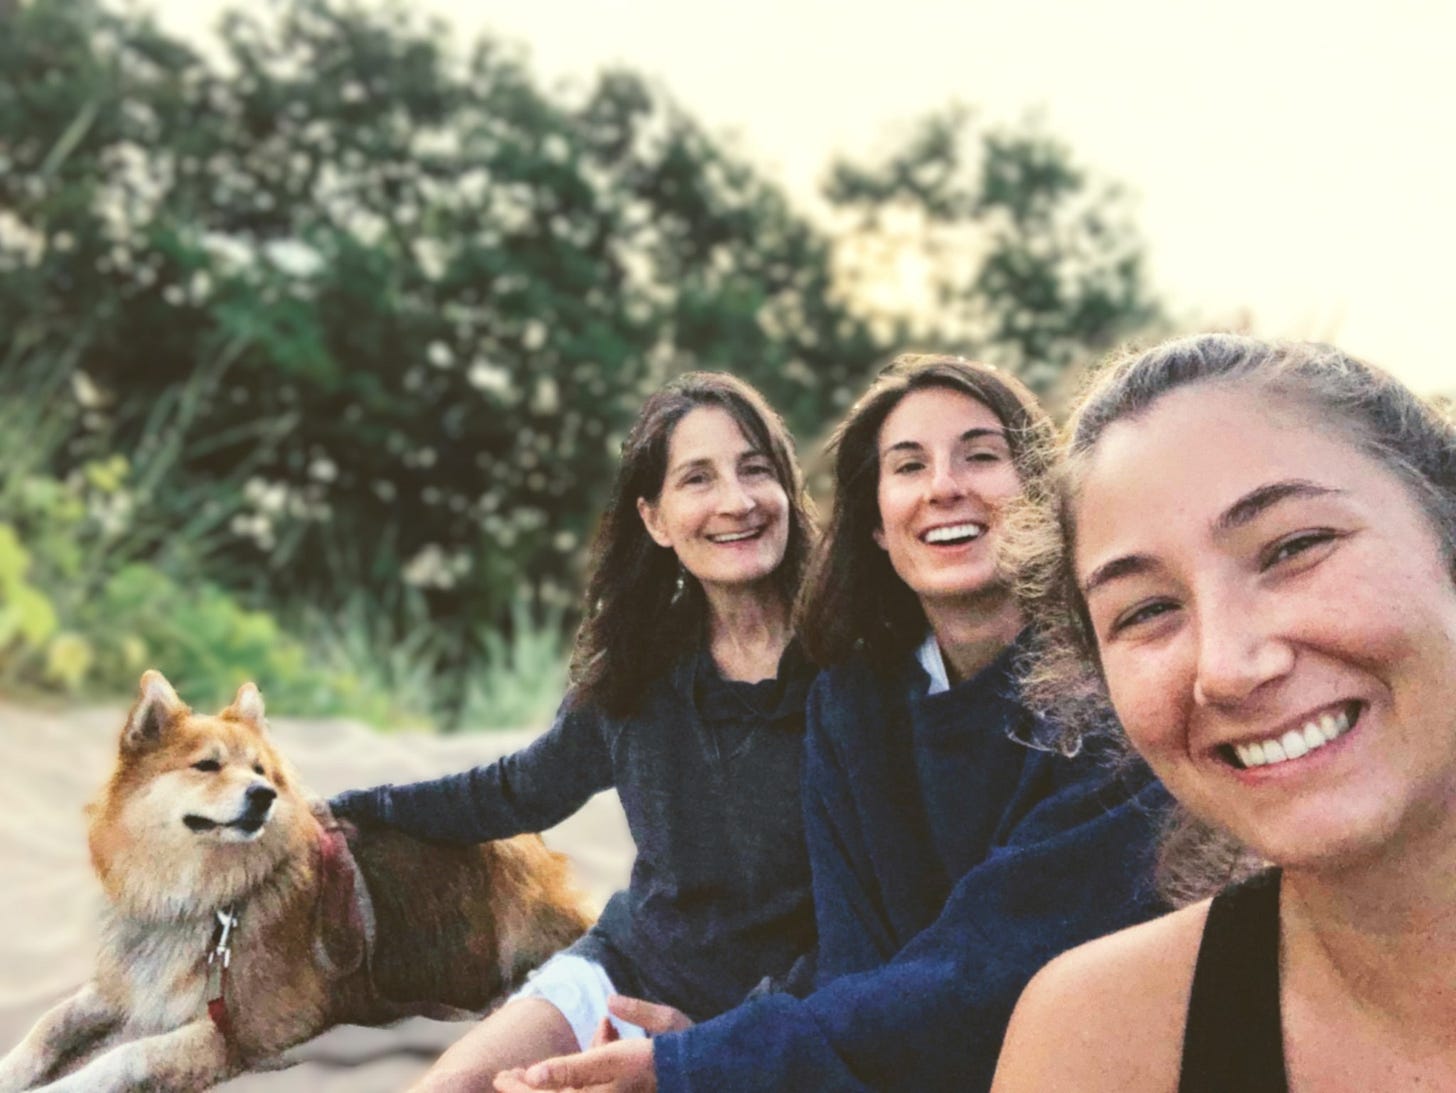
(1146, 699)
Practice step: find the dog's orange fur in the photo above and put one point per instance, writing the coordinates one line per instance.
(449, 928)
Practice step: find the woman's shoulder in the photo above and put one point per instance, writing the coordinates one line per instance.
(857, 694)
(1108, 1015)
(858, 675)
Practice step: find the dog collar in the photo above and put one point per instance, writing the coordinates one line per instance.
(219, 960)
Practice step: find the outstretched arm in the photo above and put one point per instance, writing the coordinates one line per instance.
(933, 1017)
(530, 790)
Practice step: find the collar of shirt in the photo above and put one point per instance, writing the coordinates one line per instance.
(933, 662)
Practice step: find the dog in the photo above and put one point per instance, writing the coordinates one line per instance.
(241, 919)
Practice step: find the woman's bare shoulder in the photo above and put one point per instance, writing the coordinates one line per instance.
(1109, 1015)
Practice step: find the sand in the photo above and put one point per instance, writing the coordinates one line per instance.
(53, 760)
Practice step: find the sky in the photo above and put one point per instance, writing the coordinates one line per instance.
(1293, 164)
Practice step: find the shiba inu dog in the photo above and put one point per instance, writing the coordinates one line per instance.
(240, 919)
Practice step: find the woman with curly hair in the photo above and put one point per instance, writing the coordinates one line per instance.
(1251, 549)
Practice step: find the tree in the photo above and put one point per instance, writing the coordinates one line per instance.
(370, 315)
(401, 306)
(1003, 247)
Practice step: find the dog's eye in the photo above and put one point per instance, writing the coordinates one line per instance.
(208, 765)
(257, 768)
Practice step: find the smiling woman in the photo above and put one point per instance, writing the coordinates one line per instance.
(688, 698)
(953, 851)
(721, 509)
(1272, 615)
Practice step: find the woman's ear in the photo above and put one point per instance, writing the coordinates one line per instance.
(878, 535)
(653, 522)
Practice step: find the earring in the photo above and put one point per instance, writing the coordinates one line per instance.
(680, 583)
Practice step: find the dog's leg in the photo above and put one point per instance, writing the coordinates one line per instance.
(192, 1058)
(69, 1028)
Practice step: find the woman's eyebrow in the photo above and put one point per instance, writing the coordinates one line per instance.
(985, 430)
(1241, 512)
(1129, 565)
(969, 434)
(1262, 498)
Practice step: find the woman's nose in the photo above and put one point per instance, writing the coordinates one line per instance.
(734, 497)
(944, 482)
(1238, 652)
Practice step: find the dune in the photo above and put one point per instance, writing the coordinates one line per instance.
(53, 760)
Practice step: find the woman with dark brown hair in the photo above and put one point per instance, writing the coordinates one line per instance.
(955, 850)
(687, 696)
(1250, 556)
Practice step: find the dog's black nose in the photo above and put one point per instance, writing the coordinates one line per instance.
(259, 797)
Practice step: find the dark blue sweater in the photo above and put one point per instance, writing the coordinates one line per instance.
(708, 774)
(950, 863)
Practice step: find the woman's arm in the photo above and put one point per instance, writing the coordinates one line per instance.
(934, 1016)
(529, 790)
(854, 931)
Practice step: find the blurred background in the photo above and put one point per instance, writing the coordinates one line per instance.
(323, 321)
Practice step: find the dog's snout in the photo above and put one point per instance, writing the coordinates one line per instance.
(259, 796)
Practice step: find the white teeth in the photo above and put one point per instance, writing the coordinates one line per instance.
(1251, 755)
(954, 531)
(735, 537)
(1294, 743)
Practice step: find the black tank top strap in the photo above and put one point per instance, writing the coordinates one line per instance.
(1233, 1042)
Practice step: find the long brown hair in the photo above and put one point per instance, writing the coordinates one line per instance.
(852, 597)
(638, 617)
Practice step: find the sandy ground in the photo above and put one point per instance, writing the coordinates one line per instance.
(52, 761)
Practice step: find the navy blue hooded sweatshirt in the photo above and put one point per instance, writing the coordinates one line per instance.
(950, 862)
(708, 774)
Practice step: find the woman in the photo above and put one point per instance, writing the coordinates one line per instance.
(1272, 614)
(954, 851)
(687, 696)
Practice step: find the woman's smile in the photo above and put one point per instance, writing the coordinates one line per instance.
(1309, 735)
(945, 468)
(1276, 622)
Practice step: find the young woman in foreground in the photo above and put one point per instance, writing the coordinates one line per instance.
(687, 696)
(954, 850)
(1258, 550)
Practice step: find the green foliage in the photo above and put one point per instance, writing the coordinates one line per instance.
(453, 288)
(327, 343)
(521, 674)
(1029, 263)
(27, 617)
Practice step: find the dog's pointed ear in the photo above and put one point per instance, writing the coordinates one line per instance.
(157, 706)
(247, 706)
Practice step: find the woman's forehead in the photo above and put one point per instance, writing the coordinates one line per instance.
(930, 410)
(1196, 452)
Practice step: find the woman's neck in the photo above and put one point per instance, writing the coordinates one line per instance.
(748, 629)
(972, 631)
(1380, 936)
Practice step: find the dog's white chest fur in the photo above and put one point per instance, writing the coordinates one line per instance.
(161, 969)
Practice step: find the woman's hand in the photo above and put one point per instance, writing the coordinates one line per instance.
(623, 1067)
(612, 1065)
(650, 1017)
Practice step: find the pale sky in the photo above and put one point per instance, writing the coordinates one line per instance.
(1291, 161)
